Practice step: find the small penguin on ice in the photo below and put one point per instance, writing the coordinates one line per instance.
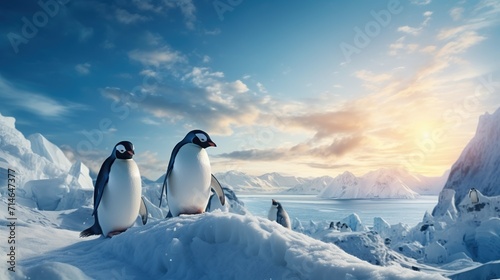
(189, 178)
(474, 197)
(117, 194)
(278, 214)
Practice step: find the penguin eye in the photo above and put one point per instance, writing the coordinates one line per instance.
(202, 137)
(120, 148)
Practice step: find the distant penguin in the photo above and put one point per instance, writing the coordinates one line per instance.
(338, 224)
(332, 225)
(474, 197)
(278, 214)
(189, 178)
(345, 228)
(117, 194)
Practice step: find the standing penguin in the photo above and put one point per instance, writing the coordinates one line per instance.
(189, 178)
(474, 198)
(117, 194)
(278, 214)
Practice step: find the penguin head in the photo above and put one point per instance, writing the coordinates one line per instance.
(200, 138)
(124, 150)
(276, 204)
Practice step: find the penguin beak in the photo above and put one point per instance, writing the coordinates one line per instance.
(211, 144)
(131, 153)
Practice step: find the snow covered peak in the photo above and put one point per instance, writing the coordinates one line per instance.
(43, 147)
(478, 165)
(381, 183)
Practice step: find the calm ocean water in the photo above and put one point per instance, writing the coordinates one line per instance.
(309, 207)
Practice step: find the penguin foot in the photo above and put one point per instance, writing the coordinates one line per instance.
(93, 230)
(116, 232)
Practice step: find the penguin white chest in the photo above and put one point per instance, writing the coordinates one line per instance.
(189, 182)
(273, 213)
(121, 198)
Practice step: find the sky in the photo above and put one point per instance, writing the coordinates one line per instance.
(303, 89)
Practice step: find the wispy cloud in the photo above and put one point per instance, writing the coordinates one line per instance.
(34, 102)
(456, 13)
(83, 69)
(416, 30)
(157, 58)
(126, 17)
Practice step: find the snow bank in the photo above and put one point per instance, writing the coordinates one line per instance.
(217, 246)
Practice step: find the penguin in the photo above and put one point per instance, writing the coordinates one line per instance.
(189, 178)
(278, 214)
(117, 194)
(215, 201)
(345, 228)
(474, 198)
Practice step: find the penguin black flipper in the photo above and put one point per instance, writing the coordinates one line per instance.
(215, 185)
(170, 167)
(280, 219)
(101, 182)
(143, 211)
(95, 229)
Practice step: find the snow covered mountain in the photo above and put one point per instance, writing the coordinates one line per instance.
(479, 164)
(243, 183)
(381, 183)
(45, 176)
(310, 186)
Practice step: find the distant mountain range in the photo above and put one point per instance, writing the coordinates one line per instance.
(382, 183)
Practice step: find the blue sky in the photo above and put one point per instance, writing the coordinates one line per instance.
(304, 89)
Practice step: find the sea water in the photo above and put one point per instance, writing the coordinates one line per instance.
(311, 208)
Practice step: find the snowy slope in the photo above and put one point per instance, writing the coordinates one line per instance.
(208, 246)
(382, 183)
(43, 147)
(479, 164)
(43, 173)
(276, 179)
(311, 186)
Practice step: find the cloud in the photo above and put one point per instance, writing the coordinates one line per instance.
(370, 77)
(261, 88)
(206, 59)
(337, 148)
(150, 163)
(189, 11)
(149, 121)
(421, 2)
(125, 17)
(206, 101)
(157, 58)
(83, 69)
(33, 102)
(410, 30)
(456, 13)
(416, 30)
